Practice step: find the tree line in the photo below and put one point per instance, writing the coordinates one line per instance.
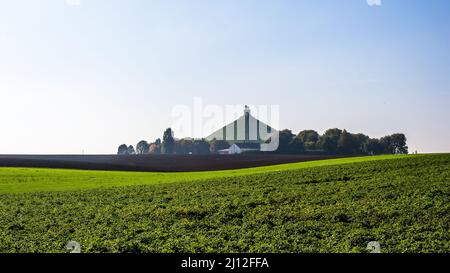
(170, 145)
(333, 141)
(336, 141)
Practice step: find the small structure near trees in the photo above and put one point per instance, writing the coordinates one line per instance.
(233, 150)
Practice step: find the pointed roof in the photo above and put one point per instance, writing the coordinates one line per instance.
(246, 129)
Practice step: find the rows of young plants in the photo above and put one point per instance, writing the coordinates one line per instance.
(403, 203)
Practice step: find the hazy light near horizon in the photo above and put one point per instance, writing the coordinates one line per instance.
(90, 75)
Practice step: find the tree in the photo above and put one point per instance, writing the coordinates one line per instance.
(289, 143)
(296, 146)
(130, 150)
(201, 147)
(394, 144)
(216, 145)
(184, 146)
(309, 138)
(168, 143)
(142, 147)
(154, 149)
(361, 141)
(399, 143)
(329, 141)
(385, 142)
(123, 150)
(285, 138)
(158, 141)
(347, 144)
(373, 146)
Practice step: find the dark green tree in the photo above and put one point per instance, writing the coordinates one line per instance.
(361, 141)
(394, 144)
(168, 143)
(373, 146)
(347, 144)
(385, 142)
(158, 141)
(296, 146)
(329, 141)
(399, 143)
(309, 138)
(142, 147)
(201, 147)
(184, 146)
(122, 150)
(131, 150)
(285, 138)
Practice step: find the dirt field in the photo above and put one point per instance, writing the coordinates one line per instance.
(152, 163)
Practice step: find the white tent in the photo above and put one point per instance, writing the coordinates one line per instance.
(234, 149)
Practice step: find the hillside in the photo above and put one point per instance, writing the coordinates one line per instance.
(21, 180)
(156, 162)
(326, 206)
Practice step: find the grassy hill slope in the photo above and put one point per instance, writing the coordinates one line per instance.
(403, 203)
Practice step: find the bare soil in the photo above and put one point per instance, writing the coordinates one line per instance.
(153, 163)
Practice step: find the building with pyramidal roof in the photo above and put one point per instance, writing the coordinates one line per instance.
(247, 132)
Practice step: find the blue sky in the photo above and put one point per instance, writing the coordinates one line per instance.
(106, 72)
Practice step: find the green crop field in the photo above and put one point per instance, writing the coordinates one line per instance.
(324, 206)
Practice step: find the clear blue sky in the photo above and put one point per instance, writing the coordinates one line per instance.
(108, 72)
